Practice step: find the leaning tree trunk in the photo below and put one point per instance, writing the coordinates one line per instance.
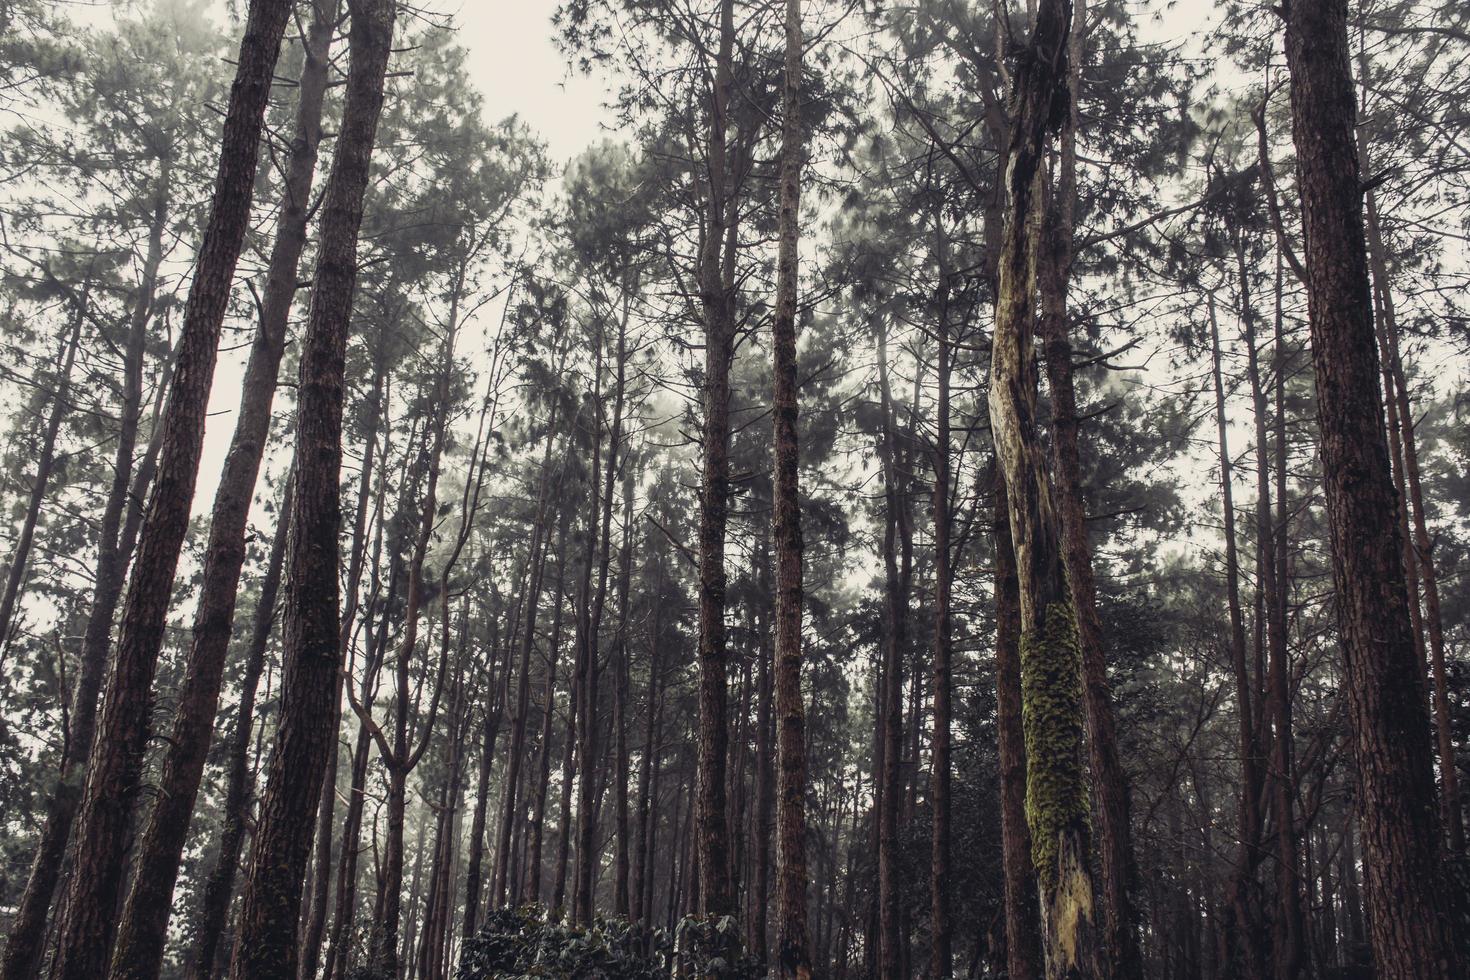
(219, 887)
(1410, 929)
(115, 768)
(1057, 800)
(28, 926)
(144, 927)
(45, 465)
(1022, 931)
(265, 947)
(1422, 550)
(793, 953)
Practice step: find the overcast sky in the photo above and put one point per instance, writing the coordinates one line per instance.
(519, 70)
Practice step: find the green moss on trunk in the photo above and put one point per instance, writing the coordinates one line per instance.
(1051, 709)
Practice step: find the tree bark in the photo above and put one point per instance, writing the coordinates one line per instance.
(219, 887)
(1241, 937)
(1053, 710)
(1406, 887)
(1054, 270)
(1023, 949)
(88, 917)
(28, 928)
(941, 928)
(138, 954)
(719, 351)
(45, 465)
(793, 953)
(266, 948)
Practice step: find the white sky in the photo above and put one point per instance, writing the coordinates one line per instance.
(518, 69)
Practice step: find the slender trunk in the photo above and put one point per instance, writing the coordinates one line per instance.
(143, 931)
(532, 889)
(1241, 935)
(315, 927)
(647, 782)
(719, 351)
(1023, 949)
(335, 966)
(765, 775)
(219, 887)
(45, 464)
(568, 773)
(941, 928)
(621, 899)
(1289, 921)
(895, 617)
(265, 948)
(28, 927)
(588, 857)
(1410, 931)
(114, 770)
(490, 735)
(793, 952)
(513, 759)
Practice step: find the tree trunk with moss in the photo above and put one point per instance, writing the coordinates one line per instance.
(1054, 272)
(1023, 961)
(1057, 798)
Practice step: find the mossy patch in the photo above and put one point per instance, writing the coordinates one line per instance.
(1052, 722)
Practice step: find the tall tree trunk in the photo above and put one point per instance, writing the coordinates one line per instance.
(1289, 921)
(793, 953)
(532, 889)
(219, 887)
(621, 869)
(941, 928)
(719, 351)
(1053, 701)
(45, 464)
(314, 928)
(143, 931)
(508, 810)
(265, 948)
(115, 768)
(1406, 886)
(1115, 833)
(1243, 943)
(1023, 950)
(28, 927)
(895, 636)
(1421, 545)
